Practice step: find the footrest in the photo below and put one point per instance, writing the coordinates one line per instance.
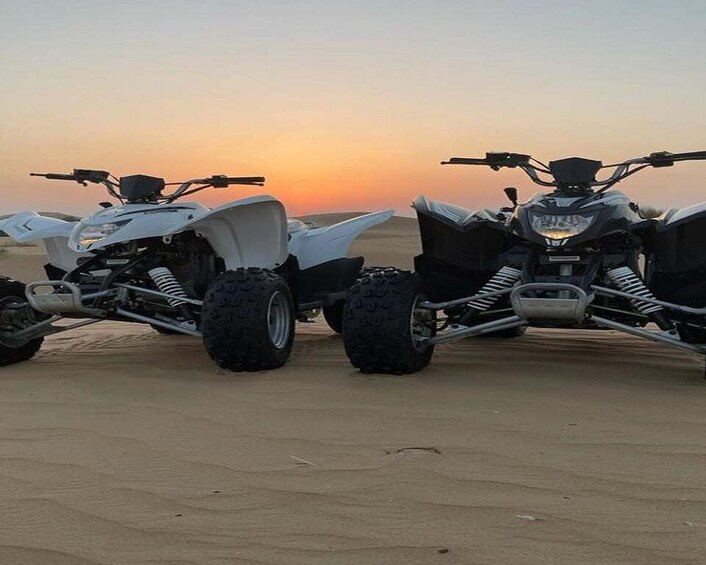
(569, 305)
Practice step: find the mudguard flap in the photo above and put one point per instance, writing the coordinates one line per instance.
(54, 233)
(248, 233)
(320, 245)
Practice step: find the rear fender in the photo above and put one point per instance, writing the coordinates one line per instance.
(248, 233)
(27, 227)
(674, 217)
(677, 256)
(320, 245)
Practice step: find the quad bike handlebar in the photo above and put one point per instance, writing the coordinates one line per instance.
(215, 181)
(112, 184)
(81, 176)
(493, 160)
(533, 168)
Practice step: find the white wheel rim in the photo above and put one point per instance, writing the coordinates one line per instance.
(279, 320)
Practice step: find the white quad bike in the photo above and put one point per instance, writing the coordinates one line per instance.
(238, 275)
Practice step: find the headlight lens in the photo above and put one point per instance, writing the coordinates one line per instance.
(555, 226)
(92, 234)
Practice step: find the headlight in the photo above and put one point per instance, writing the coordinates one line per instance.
(554, 226)
(91, 234)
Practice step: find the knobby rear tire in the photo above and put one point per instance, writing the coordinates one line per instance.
(377, 323)
(334, 314)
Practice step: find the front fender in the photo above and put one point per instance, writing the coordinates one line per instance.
(30, 226)
(26, 227)
(247, 233)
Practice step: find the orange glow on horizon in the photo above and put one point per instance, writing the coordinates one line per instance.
(350, 109)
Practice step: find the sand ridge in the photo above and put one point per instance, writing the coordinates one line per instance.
(123, 446)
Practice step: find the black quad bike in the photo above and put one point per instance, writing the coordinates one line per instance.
(577, 257)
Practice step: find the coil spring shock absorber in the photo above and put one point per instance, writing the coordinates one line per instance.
(505, 278)
(166, 282)
(627, 281)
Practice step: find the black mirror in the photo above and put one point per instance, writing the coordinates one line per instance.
(511, 193)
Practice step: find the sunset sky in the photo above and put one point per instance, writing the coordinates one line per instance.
(346, 104)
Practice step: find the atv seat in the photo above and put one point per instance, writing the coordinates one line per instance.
(450, 213)
(294, 225)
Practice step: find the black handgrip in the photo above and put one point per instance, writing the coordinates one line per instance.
(689, 156)
(246, 180)
(79, 175)
(222, 181)
(54, 176)
(492, 160)
(667, 159)
(464, 161)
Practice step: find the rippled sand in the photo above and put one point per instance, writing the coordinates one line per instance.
(122, 446)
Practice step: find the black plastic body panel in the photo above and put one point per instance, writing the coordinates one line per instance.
(476, 247)
(318, 283)
(679, 247)
(141, 187)
(677, 261)
(609, 216)
(575, 170)
(53, 273)
(444, 281)
(457, 261)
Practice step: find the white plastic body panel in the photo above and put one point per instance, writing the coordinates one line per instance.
(29, 226)
(455, 214)
(684, 213)
(138, 221)
(246, 233)
(319, 245)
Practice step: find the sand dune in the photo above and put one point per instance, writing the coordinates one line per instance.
(122, 446)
